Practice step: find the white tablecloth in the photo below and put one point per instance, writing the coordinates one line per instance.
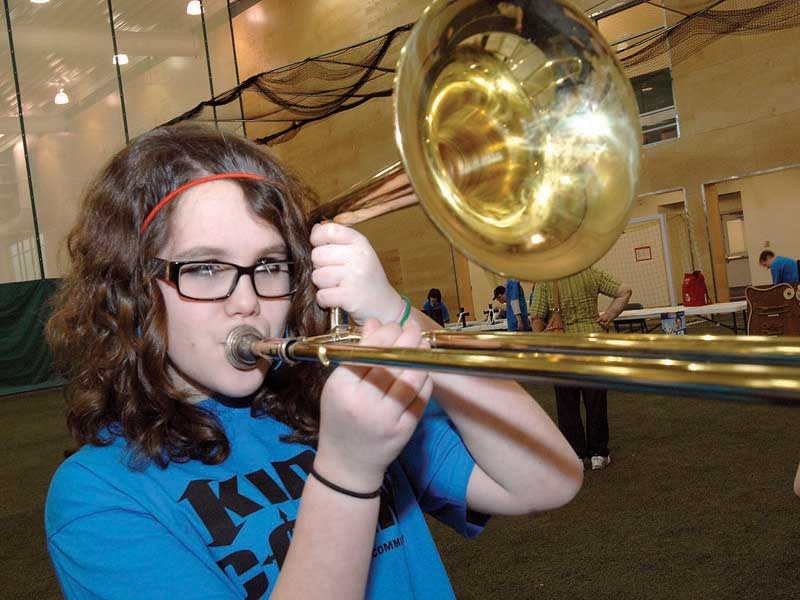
(720, 308)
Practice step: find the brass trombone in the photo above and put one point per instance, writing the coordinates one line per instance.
(519, 133)
(754, 368)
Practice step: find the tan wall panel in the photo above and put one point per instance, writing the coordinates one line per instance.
(273, 34)
(415, 256)
(464, 285)
(338, 152)
(646, 206)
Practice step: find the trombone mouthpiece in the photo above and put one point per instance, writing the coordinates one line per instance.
(238, 347)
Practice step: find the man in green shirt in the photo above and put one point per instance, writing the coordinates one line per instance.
(577, 299)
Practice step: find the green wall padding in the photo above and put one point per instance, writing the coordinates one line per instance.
(25, 361)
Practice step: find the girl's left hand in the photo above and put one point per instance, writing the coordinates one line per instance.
(348, 274)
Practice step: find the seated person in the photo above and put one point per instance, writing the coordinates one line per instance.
(435, 308)
(499, 302)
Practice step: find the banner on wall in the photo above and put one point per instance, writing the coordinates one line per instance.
(25, 360)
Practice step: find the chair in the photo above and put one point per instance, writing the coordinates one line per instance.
(640, 323)
(773, 310)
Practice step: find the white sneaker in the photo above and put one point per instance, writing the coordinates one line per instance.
(599, 462)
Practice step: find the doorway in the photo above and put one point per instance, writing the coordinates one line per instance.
(737, 258)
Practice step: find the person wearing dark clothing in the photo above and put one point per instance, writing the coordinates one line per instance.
(435, 307)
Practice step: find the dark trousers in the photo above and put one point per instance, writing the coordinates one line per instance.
(594, 440)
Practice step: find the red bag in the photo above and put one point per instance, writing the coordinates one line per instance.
(695, 292)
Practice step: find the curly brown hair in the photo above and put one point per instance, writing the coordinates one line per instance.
(108, 329)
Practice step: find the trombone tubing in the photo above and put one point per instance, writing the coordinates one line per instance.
(762, 370)
(705, 348)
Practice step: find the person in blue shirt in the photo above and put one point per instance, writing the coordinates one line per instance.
(782, 269)
(435, 307)
(200, 478)
(516, 307)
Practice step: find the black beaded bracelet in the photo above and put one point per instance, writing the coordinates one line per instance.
(342, 490)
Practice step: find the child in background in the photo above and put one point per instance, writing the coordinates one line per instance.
(435, 307)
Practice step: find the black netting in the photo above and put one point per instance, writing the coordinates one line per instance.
(284, 100)
(699, 29)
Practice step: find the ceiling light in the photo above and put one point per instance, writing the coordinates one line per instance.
(61, 97)
(194, 8)
(40, 1)
(120, 59)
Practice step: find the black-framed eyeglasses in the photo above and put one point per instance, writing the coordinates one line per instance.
(216, 280)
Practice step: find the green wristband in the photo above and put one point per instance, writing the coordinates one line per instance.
(407, 311)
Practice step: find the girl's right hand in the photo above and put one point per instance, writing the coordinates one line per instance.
(367, 414)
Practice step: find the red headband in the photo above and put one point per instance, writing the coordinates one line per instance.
(193, 183)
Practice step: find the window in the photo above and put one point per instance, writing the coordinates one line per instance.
(24, 259)
(656, 105)
(628, 31)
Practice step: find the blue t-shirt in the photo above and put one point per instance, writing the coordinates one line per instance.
(427, 307)
(516, 304)
(222, 531)
(784, 270)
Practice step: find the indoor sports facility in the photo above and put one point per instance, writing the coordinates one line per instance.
(649, 145)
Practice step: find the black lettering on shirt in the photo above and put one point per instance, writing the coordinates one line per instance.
(388, 546)
(267, 486)
(212, 509)
(289, 477)
(279, 540)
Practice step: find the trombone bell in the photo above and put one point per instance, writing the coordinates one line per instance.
(519, 133)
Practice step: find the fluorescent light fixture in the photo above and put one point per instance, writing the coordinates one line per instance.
(61, 97)
(40, 1)
(194, 8)
(120, 59)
